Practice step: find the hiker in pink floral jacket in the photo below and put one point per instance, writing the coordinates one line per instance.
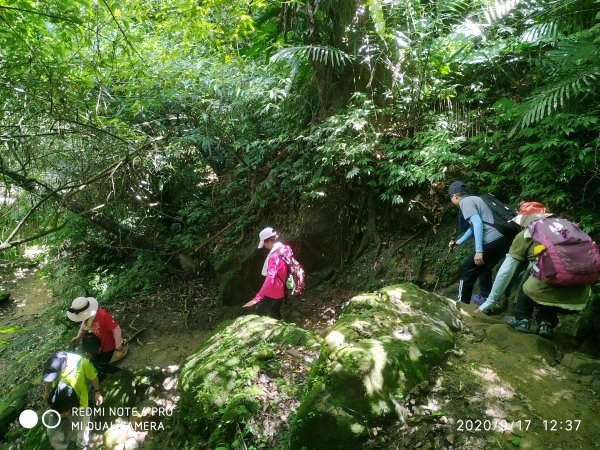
(272, 294)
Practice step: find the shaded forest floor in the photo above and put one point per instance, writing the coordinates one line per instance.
(495, 391)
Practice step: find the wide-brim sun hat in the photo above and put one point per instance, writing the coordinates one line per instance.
(265, 234)
(82, 309)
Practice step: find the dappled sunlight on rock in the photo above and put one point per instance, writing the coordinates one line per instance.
(388, 342)
(247, 372)
(557, 397)
(334, 339)
(402, 334)
(433, 405)
(500, 392)
(374, 378)
(542, 373)
(487, 374)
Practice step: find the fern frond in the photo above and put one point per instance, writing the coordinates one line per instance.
(557, 96)
(499, 10)
(540, 33)
(325, 55)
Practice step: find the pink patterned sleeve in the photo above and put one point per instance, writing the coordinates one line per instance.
(272, 285)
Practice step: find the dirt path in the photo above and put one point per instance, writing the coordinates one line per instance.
(29, 297)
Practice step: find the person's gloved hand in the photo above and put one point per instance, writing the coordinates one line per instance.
(452, 244)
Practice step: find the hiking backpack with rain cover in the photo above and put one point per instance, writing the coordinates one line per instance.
(295, 275)
(566, 256)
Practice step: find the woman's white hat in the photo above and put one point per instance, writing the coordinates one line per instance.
(265, 234)
(82, 308)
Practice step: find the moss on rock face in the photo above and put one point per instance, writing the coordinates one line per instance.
(236, 373)
(37, 437)
(4, 295)
(382, 345)
(12, 405)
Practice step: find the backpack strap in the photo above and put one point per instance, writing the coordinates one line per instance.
(287, 266)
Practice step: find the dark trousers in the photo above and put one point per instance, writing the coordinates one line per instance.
(470, 272)
(277, 308)
(525, 306)
(102, 364)
(270, 307)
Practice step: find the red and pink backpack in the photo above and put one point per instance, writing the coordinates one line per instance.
(295, 273)
(569, 257)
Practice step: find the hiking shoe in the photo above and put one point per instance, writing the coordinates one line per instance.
(519, 325)
(545, 329)
(478, 299)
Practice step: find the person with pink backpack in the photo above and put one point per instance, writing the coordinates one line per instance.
(564, 262)
(284, 276)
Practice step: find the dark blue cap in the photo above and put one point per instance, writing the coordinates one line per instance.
(458, 187)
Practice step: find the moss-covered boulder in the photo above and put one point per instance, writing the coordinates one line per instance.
(382, 345)
(37, 437)
(12, 405)
(4, 295)
(245, 378)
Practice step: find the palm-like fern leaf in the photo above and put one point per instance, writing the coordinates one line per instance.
(556, 96)
(325, 55)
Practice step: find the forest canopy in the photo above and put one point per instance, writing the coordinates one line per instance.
(175, 127)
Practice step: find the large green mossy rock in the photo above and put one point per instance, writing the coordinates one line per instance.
(248, 367)
(12, 405)
(37, 437)
(4, 295)
(382, 345)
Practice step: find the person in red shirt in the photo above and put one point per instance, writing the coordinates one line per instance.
(100, 323)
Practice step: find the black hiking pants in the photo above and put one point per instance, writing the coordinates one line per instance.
(102, 364)
(277, 308)
(525, 306)
(493, 252)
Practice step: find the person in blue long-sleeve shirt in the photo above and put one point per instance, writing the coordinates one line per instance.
(490, 244)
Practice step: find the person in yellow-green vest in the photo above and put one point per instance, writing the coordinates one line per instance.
(67, 379)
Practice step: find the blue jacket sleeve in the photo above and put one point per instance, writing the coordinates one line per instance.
(465, 236)
(478, 231)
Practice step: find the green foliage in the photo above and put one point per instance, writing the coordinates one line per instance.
(352, 148)
(174, 128)
(326, 55)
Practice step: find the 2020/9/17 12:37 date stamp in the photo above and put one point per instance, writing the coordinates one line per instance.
(478, 425)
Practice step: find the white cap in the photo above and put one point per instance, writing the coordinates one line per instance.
(265, 234)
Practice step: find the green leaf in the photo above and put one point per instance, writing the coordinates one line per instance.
(376, 9)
